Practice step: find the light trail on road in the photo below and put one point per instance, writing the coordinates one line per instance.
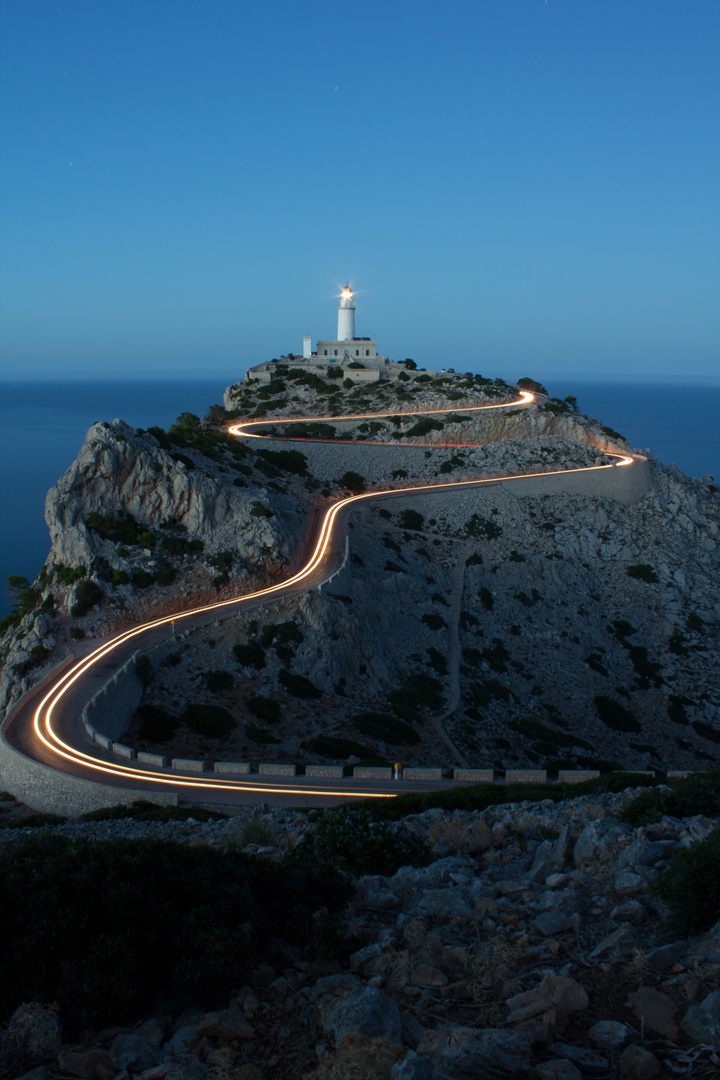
(313, 573)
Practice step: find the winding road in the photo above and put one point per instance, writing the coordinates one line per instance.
(45, 726)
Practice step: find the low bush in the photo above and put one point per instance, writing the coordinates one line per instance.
(138, 899)
(250, 655)
(642, 572)
(333, 746)
(433, 621)
(87, 595)
(210, 720)
(411, 519)
(219, 681)
(352, 839)
(614, 715)
(298, 685)
(142, 810)
(260, 735)
(142, 579)
(258, 510)
(353, 481)
(419, 691)
(157, 725)
(685, 797)
(180, 545)
(37, 656)
(265, 709)
(387, 728)
(691, 885)
(423, 427)
(291, 461)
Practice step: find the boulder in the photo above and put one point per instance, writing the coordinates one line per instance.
(133, 1053)
(369, 1012)
(610, 1034)
(638, 1063)
(655, 1011)
(702, 1022)
(228, 1025)
(480, 1053)
(87, 1064)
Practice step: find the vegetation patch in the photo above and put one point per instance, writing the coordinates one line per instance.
(210, 720)
(265, 708)
(226, 909)
(433, 621)
(482, 528)
(691, 885)
(219, 681)
(420, 691)
(685, 797)
(642, 572)
(87, 595)
(298, 685)
(333, 746)
(614, 715)
(387, 728)
(157, 725)
(260, 735)
(250, 655)
(423, 427)
(352, 839)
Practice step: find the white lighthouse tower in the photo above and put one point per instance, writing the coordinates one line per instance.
(346, 315)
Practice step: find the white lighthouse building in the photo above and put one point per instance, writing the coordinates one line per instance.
(347, 348)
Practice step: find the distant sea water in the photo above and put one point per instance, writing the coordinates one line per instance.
(43, 425)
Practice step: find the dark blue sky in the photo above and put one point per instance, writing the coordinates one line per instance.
(513, 185)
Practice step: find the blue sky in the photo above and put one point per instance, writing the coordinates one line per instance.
(514, 186)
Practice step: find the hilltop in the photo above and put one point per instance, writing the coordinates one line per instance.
(562, 630)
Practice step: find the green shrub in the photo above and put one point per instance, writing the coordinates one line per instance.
(486, 599)
(164, 573)
(250, 655)
(139, 899)
(411, 519)
(614, 715)
(37, 656)
(210, 720)
(433, 621)
(334, 746)
(157, 725)
(291, 461)
(419, 691)
(68, 575)
(146, 539)
(142, 810)
(180, 545)
(119, 530)
(144, 668)
(120, 577)
(256, 831)
(87, 594)
(691, 885)
(685, 797)
(352, 839)
(142, 579)
(424, 426)
(437, 661)
(33, 821)
(387, 728)
(482, 528)
(260, 735)
(265, 709)
(219, 681)
(706, 730)
(77, 633)
(298, 685)
(258, 510)
(353, 482)
(643, 572)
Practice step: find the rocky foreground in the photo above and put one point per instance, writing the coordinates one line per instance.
(530, 946)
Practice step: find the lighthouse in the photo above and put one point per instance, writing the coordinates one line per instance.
(346, 315)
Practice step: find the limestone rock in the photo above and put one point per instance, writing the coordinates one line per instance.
(702, 1022)
(87, 1065)
(227, 1025)
(133, 1053)
(655, 1010)
(368, 1012)
(639, 1064)
(483, 1054)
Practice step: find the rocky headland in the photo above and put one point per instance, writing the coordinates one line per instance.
(553, 630)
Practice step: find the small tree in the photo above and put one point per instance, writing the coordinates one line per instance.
(410, 364)
(532, 385)
(572, 402)
(354, 481)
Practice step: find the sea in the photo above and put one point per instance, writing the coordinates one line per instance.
(43, 426)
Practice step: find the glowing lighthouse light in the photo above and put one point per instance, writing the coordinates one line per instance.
(346, 315)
